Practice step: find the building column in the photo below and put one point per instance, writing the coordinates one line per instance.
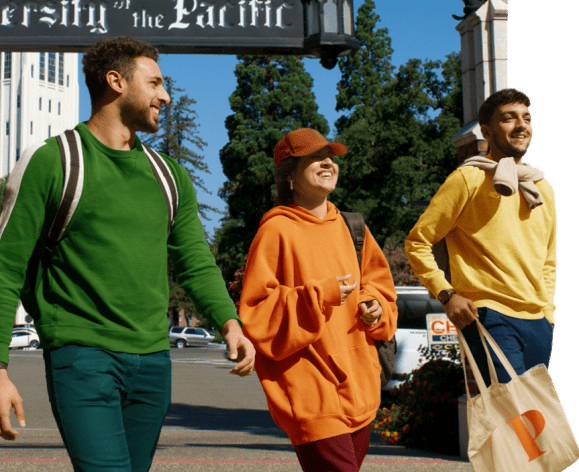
(483, 51)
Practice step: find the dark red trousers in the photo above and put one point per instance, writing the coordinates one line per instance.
(344, 453)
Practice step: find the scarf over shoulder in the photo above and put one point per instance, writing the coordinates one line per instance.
(509, 176)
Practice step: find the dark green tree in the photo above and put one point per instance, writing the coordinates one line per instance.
(398, 126)
(366, 73)
(178, 137)
(2, 188)
(273, 96)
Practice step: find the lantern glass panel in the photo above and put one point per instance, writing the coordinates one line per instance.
(313, 18)
(331, 16)
(347, 8)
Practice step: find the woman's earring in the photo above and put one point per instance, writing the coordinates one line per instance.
(291, 185)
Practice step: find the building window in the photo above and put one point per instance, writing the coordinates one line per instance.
(17, 154)
(7, 128)
(67, 80)
(7, 65)
(32, 71)
(52, 67)
(42, 72)
(59, 108)
(60, 68)
(49, 131)
(49, 106)
(40, 104)
(17, 101)
(31, 128)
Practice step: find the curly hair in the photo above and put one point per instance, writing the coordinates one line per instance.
(498, 99)
(112, 54)
(283, 171)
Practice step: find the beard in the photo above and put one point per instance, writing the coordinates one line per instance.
(510, 151)
(137, 116)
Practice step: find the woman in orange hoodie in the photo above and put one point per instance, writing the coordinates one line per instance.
(312, 314)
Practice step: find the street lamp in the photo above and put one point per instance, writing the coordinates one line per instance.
(329, 29)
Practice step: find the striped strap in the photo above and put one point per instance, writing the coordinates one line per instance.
(73, 170)
(166, 181)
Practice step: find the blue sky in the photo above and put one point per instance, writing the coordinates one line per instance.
(209, 79)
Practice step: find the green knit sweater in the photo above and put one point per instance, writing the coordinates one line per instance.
(105, 283)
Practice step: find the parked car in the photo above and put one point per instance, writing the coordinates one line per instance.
(182, 336)
(413, 306)
(26, 328)
(24, 338)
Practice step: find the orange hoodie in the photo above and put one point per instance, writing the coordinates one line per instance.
(315, 358)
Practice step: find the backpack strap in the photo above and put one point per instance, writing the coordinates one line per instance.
(73, 171)
(357, 228)
(166, 181)
(386, 349)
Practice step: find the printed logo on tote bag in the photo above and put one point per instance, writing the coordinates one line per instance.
(536, 418)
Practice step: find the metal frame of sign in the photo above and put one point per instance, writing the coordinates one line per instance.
(314, 28)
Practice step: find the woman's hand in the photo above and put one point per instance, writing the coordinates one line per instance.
(345, 288)
(371, 312)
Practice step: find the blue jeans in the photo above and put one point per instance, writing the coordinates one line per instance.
(525, 343)
(109, 406)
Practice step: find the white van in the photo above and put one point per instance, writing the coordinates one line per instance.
(413, 306)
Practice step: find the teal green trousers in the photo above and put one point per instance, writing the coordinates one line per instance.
(109, 406)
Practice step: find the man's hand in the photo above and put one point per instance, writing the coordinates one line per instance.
(9, 398)
(240, 348)
(371, 312)
(345, 288)
(461, 311)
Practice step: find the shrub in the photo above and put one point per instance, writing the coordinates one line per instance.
(422, 412)
(399, 265)
(218, 337)
(235, 286)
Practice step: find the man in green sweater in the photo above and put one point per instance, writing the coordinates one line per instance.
(99, 300)
(498, 217)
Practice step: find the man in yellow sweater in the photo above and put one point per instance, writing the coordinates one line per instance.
(498, 217)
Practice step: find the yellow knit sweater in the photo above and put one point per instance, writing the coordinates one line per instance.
(502, 255)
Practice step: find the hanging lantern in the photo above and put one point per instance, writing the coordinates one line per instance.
(329, 29)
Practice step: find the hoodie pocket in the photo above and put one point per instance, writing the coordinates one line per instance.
(358, 373)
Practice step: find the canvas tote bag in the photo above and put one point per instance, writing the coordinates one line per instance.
(518, 426)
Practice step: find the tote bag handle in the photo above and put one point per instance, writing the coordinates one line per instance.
(465, 352)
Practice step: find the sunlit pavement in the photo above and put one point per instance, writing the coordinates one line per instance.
(217, 422)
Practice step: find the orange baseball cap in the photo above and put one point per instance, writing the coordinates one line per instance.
(302, 142)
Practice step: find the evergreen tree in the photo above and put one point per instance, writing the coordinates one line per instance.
(273, 97)
(178, 129)
(397, 125)
(2, 188)
(366, 72)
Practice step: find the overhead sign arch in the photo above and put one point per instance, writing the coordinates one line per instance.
(314, 28)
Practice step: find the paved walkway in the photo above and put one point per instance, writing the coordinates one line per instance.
(185, 450)
(217, 422)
